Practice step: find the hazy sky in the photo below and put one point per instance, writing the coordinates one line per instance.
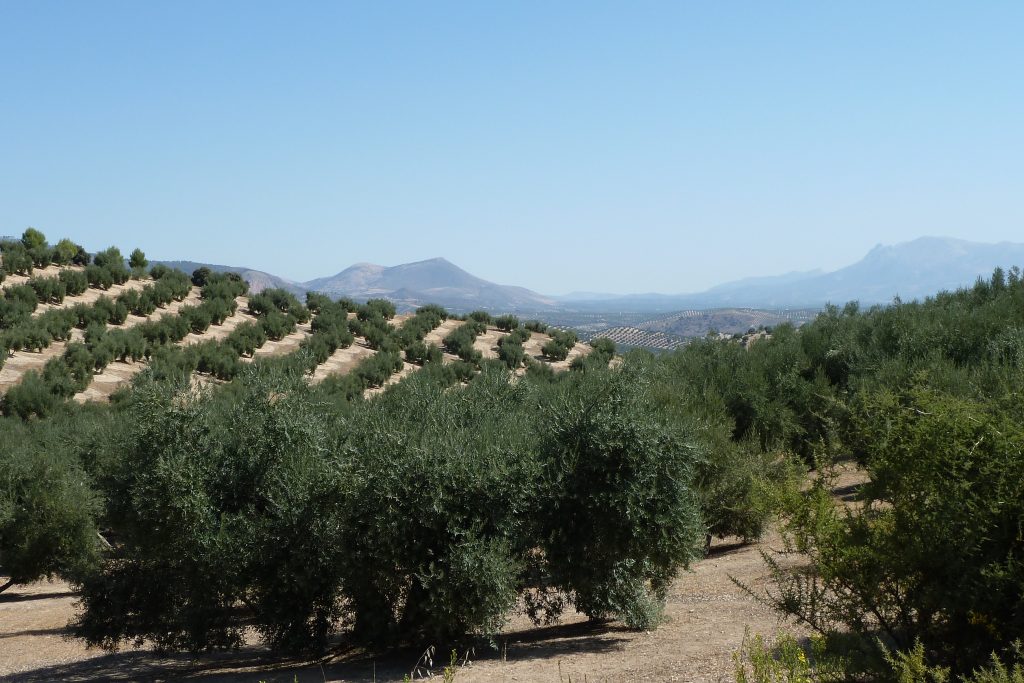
(622, 147)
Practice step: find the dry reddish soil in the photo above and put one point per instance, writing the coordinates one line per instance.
(706, 616)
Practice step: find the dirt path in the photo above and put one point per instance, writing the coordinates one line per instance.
(437, 335)
(706, 615)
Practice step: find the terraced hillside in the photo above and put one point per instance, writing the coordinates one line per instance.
(82, 327)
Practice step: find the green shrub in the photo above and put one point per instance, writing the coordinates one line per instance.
(554, 351)
(230, 515)
(511, 354)
(506, 323)
(31, 397)
(934, 554)
(611, 460)
(16, 258)
(47, 516)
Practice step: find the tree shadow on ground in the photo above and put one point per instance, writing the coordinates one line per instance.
(848, 494)
(58, 631)
(23, 597)
(728, 548)
(345, 663)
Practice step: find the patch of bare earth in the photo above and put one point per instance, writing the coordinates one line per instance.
(20, 362)
(579, 349)
(342, 361)
(437, 335)
(706, 616)
(12, 279)
(287, 344)
(487, 342)
(533, 345)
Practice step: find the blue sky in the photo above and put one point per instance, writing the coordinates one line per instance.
(621, 147)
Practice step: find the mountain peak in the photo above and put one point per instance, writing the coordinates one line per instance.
(433, 280)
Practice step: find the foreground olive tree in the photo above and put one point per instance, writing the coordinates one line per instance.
(421, 517)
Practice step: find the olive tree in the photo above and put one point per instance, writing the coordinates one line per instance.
(47, 517)
(138, 262)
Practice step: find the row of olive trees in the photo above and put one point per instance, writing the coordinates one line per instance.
(421, 517)
(391, 345)
(33, 251)
(39, 393)
(277, 313)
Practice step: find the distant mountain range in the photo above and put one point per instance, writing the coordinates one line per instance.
(409, 285)
(910, 270)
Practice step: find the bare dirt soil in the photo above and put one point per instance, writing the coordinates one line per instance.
(487, 342)
(706, 616)
(20, 362)
(342, 360)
